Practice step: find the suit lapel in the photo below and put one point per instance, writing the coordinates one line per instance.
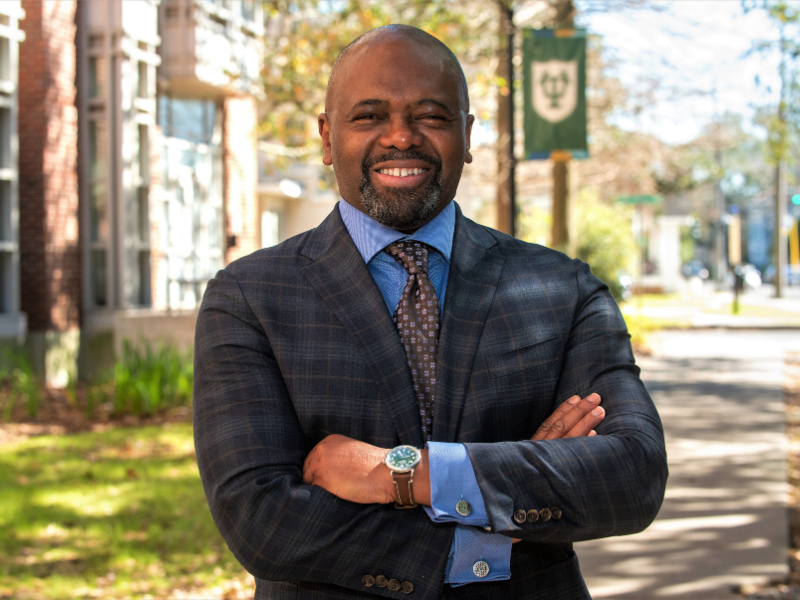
(338, 274)
(474, 274)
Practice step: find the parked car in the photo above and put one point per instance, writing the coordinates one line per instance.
(695, 268)
(791, 275)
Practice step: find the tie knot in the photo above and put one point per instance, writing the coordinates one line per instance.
(413, 255)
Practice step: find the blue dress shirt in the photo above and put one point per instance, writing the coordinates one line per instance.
(451, 471)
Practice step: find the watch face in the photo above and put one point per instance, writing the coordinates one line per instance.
(402, 458)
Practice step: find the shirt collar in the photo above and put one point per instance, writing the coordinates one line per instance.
(370, 237)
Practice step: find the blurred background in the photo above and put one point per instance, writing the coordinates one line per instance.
(145, 144)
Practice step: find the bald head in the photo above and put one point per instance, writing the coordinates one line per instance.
(390, 33)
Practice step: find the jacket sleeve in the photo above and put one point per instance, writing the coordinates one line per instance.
(250, 451)
(609, 484)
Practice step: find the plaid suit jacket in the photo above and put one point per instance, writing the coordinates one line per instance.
(295, 343)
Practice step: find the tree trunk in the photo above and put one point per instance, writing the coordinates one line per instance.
(505, 122)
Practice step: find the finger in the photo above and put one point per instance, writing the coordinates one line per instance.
(592, 433)
(544, 428)
(573, 417)
(586, 425)
(515, 540)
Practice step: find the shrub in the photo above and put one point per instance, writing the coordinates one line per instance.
(605, 241)
(19, 382)
(148, 378)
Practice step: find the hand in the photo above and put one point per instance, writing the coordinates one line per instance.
(574, 418)
(354, 471)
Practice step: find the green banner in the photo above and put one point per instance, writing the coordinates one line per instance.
(554, 82)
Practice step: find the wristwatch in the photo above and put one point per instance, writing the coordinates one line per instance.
(401, 462)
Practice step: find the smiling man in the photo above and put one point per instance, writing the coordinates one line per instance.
(401, 402)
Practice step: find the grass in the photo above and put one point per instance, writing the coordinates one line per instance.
(113, 514)
(685, 307)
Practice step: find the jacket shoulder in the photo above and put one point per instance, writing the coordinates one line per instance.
(519, 251)
(286, 255)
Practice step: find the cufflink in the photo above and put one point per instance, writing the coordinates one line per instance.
(463, 508)
(480, 569)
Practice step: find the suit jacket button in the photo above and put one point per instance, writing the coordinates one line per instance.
(394, 585)
(381, 581)
(545, 514)
(368, 580)
(519, 517)
(556, 512)
(533, 516)
(407, 587)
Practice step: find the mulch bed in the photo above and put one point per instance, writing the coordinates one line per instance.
(57, 415)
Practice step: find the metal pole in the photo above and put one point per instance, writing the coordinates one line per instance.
(506, 189)
(562, 214)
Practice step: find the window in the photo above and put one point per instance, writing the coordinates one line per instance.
(5, 139)
(97, 146)
(5, 59)
(98, 212)
(97, 277)
(191, 220)
(143, 90)
(144, 152)
(191, 120)
(269, 228)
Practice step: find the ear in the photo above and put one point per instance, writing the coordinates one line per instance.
(325, 134)
(468, 136)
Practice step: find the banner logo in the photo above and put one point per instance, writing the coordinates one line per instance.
(555, 89)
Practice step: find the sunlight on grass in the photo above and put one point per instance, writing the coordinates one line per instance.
(111, 514)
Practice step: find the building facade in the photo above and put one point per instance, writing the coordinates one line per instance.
(13, 323)
(139, 179)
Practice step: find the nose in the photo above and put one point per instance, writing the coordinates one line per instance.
(400, 133)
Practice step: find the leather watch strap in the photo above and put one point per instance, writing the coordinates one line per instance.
(405, 493)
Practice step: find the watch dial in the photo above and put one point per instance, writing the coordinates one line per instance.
(402, 457)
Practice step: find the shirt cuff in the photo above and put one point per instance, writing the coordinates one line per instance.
(453, 481)
(471, 546)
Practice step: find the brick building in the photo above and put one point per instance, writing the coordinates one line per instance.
(137, 172)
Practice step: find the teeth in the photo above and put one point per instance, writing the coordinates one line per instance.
(401, 172)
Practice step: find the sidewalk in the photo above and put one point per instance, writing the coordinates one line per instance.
(724, 519)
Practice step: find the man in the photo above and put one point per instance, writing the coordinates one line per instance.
(401, 355)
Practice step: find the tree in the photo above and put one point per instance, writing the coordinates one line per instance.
(783, 127)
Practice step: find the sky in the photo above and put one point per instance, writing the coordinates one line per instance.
(695, 45)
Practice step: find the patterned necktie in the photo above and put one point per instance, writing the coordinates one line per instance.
(417, 321)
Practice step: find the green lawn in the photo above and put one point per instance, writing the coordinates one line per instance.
(114, 514)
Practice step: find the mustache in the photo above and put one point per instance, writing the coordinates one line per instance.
(412, 155)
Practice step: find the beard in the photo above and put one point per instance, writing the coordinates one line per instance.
(401, 208)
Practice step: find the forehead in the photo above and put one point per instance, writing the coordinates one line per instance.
(399, 71)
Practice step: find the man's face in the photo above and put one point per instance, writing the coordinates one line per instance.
(396, 132)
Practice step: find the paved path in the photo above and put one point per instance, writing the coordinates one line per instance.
(724, 519)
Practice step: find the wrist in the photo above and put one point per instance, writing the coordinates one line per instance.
(421, 485)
